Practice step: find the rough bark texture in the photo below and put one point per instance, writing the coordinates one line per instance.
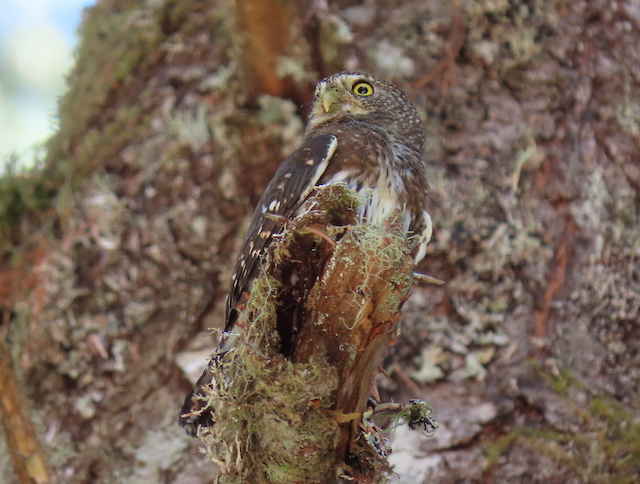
(274, 53)
(529, 353)
(21, 440)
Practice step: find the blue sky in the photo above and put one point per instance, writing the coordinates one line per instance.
(37, 38)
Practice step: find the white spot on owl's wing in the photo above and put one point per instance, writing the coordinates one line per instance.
(274, 205)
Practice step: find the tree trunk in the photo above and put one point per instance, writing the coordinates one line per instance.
(528, 354)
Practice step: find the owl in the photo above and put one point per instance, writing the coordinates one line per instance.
(362, 132)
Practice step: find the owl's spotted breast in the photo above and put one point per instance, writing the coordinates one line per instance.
(389, 176)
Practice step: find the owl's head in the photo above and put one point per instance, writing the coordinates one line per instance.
(356, 95)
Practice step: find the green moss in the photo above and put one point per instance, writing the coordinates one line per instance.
(561, 382)
(195, 17)
(548, 442)
(604, 449)
(505, 34)
(628, 114)
(498, 447)
(619, 438)
(276, 407)
(114, 42)
(339, 203)
(22, 192)
(280, 410)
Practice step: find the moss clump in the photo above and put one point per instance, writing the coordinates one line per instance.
(114, 44)
(272, 421)
(119, 40)
(604, 448)
(289, 399)
(21, 193)
(619, 438)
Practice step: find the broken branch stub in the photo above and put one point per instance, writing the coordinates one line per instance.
(310, 338)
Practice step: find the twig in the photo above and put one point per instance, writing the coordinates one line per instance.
(26, 454)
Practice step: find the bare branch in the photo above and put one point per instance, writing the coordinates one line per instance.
(26, 455)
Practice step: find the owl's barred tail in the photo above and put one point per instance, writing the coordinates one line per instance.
(196, 410)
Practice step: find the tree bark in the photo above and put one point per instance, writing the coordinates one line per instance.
(528, 354)
(275, 54)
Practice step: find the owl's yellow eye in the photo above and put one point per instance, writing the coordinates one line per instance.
(363, 89)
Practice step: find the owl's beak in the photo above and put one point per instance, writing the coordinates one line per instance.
(331, 100)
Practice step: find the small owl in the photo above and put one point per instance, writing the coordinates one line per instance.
(362, 132)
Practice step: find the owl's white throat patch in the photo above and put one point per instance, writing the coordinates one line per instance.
(378, 201)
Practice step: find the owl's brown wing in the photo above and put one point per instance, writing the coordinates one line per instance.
(290, 186)
(288, 189)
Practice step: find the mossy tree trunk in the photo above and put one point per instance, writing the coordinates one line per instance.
(529, 354)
